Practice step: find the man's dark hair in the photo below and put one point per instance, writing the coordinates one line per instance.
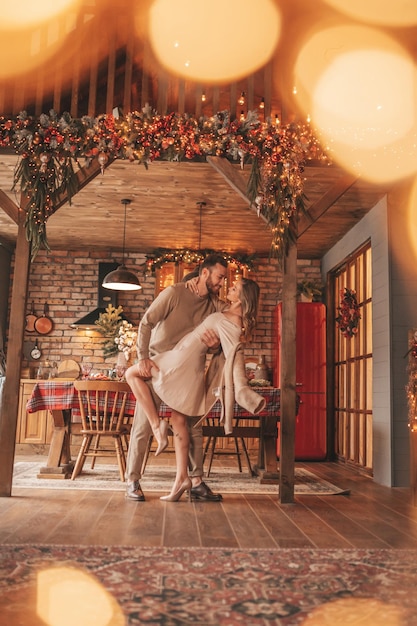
(213, 259)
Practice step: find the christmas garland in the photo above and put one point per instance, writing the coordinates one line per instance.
(349, 316)
(50, 145)
(161, 256)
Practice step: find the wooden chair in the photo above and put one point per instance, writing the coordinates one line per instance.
(102, 409)
(213, 432)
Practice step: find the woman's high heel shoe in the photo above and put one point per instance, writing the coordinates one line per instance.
(174, 497)
(161, 435)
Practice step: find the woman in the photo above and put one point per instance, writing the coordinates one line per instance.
(178, 375)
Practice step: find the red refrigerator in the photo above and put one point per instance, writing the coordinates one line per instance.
(310, 428)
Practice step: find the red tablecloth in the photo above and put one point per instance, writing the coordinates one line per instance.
(56, 395)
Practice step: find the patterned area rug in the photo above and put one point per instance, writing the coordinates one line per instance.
(158, 478)
(97, 585)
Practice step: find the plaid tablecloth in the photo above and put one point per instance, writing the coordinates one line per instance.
(56, 395)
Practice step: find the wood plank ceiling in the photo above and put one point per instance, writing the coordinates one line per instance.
(120, 71)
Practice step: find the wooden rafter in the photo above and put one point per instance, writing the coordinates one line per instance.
(9, 207)
(323, 204)
(233, 178)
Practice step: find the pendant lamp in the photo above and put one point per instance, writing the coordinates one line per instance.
(121, 279)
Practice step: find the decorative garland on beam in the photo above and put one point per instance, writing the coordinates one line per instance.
(161, 256)
(50, 145)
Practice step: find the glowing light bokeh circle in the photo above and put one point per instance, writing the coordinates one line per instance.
(359, 87)
(19, 14)
(398, 13)
(213, 42)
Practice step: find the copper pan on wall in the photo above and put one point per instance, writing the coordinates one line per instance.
(44, 324)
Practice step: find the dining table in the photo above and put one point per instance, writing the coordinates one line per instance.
(61, 399)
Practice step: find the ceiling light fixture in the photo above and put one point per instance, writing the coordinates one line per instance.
(121, 279)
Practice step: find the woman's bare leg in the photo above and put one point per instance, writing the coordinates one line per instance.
(182, 444)
(143, 395)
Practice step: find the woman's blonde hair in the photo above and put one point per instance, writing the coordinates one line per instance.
(249, 298)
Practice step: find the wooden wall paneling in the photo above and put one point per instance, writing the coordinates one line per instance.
(92, 89)
(216, 99)
(198, 103)
(251, 93)
(40, 81)
(181, 96)
(111, 70)
(267, 90)
(146, 73)
(127, 92)
(162, 103)
(75, 85)
(233, 105)
(18, 97)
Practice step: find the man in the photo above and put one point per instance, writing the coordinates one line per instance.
(175, 312)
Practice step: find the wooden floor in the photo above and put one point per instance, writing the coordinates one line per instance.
(372, 516)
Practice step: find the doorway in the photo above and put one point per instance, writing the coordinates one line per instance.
(352, 358)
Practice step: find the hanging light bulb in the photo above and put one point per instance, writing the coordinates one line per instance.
(262, 103)
(241, 100)
(203, 97)
(242, 116)
(121, 279)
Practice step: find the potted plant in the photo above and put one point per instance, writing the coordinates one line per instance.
(308, 291)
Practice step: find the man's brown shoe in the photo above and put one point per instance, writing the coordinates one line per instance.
(134, 492)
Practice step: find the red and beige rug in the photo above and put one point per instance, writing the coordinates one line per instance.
(160, 478)
(110, 586)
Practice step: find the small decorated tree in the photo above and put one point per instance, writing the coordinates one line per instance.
(108, 325)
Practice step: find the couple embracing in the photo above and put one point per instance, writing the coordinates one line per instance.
(183, 323)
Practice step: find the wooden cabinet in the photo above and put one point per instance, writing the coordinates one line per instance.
(32, 427)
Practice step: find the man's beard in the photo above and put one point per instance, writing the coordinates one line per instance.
(212, 289)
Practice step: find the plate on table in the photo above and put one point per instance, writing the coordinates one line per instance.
(68, 369)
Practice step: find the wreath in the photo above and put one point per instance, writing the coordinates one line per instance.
(349, 316)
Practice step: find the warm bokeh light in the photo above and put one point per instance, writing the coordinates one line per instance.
(67, 596)
(213, 42)
(32, 33)
(398, 13)
(19, 14)
(359, 85)
(356, 611)
(412, 217)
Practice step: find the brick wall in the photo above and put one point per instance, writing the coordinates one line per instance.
(68, 282)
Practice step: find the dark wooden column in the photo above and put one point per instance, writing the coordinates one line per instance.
(288, 376)
(10, 398)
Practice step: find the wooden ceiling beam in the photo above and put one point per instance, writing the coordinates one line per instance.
(84, 176)
(9, 207)
(233, 178)
(230, 175)
(319, 208)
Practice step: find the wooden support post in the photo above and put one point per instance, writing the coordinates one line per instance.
(10, 398)
(288, 376)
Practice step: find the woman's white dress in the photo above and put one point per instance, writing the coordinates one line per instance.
(180, 379)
